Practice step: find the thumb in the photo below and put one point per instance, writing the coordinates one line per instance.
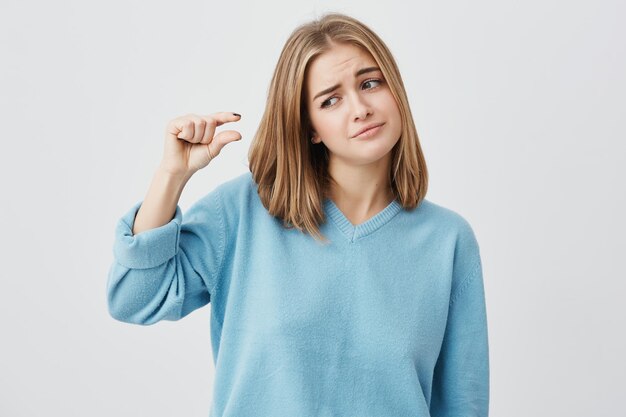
(221, 139)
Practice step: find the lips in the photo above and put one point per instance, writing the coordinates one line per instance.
(366, 128)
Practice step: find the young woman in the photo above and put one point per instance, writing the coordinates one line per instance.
(336, 288)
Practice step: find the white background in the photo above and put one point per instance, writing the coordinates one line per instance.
(520, 111)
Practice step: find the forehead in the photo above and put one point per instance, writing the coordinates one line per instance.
(340, 60)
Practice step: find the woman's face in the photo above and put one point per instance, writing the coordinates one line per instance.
(346, 92)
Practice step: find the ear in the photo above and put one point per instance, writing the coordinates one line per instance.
(315, 138)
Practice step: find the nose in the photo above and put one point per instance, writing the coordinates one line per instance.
(360, 107)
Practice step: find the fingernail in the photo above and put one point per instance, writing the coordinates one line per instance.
(237, 114)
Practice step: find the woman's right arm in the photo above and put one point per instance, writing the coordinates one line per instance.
(159, 206)
(165, 267)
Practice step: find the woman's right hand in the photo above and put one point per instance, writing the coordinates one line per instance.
(190, 143)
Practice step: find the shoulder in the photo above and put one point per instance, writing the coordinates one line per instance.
(225, 198)
(242, 183)
(450, 229)
(444, 219)
(238, 199)
(238, 191)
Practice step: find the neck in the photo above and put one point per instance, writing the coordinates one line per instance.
(361, 190)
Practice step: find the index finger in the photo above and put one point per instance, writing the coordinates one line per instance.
(220, 118)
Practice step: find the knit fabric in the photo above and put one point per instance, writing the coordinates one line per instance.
(388, 319)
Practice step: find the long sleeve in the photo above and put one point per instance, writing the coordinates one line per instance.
(461, 376)
(167, 272)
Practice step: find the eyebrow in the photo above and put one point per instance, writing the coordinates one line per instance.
(334, 87)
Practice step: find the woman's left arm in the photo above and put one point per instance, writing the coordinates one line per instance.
(461, 376)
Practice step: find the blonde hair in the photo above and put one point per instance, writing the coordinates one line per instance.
(292, 173)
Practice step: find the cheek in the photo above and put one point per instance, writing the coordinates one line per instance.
(392, 106)
(394, 113)
(329, 125)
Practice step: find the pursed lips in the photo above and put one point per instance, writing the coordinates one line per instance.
(368, 129)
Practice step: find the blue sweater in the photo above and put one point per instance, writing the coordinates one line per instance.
(389, 319)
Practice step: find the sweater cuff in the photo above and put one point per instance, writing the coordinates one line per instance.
(149, 248)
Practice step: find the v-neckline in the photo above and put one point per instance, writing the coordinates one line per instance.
(354, 232)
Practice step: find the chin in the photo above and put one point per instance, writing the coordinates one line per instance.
(373, 156)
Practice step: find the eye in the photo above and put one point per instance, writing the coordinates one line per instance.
(373, 80)
(324, 104)
(327, 103)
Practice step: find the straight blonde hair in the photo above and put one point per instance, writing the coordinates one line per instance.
(291, 173)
